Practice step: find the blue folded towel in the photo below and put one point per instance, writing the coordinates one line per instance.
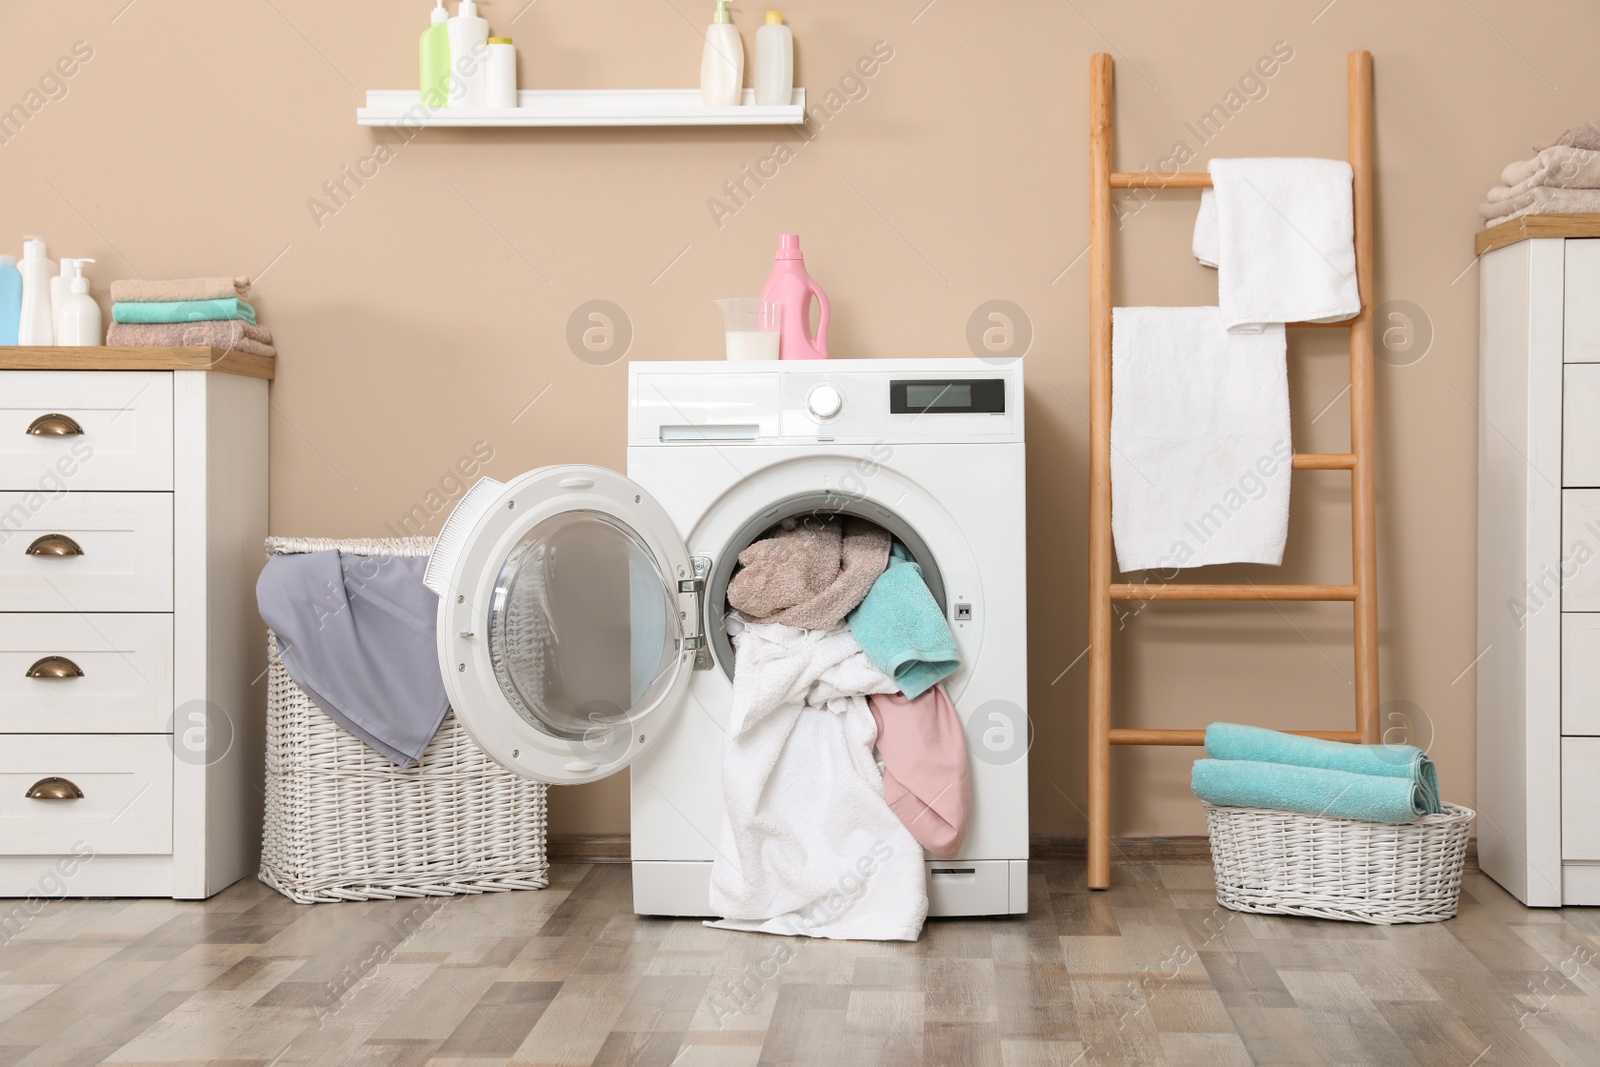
(1311, 790)
(901, 629)
(1229, 741)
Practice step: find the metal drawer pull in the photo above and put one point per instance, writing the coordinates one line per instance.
(55, 545)
(55, 425)
(55, 667)
(53, 789)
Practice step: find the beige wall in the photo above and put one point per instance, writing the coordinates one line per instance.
(430, 309)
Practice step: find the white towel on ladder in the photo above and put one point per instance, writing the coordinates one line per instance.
(1200, 445)
(1281, 233)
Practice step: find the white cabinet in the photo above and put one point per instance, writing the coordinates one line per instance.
(1539, 569)
(133, 508)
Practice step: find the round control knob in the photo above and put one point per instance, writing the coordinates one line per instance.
(824, 402)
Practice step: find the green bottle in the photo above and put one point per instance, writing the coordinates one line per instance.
(436, 61)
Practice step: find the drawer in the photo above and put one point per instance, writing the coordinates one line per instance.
(126, 680)
(1580, 425)
(1580, 798)
(126, 807)
(125, 541)
(126, 423)
(1580, 550)
(1581, 302)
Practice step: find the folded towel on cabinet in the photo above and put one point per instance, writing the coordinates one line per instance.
(1231, 741)
(904, 633)
(357, 634)
(1283, 241)
(1541, 200)
(1200, 443)
(1310, 790)
(138, 290)
(925, 781)
(809, 845)
(231, 334)
(1556, 168)
(809, 572)
(183, 310)
(1584, 135)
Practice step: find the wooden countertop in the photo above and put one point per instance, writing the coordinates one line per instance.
(1525, 226)
(130, 357)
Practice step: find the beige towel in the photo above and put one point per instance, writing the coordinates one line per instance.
(810, 572)
(140, 291)
(1584, 135)
(1559, 168)
(1543, 200)
(230, 333)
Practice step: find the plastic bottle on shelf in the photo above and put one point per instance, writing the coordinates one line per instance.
(722, 62)
(35, 326)
(435, 60)
(774, 62)
(469, 54)
(79, 323)
(501, 72)
(10, 299)
(60, 286)
(791, 286)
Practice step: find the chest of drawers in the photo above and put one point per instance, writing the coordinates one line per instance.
(133, 507)
(1539, 564)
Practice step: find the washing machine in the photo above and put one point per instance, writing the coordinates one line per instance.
(581, 612)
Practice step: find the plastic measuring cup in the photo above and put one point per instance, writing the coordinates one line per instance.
(752, 327)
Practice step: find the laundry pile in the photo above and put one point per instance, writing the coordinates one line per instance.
(839, 653)
(1200, 436)
(1254, 768)
(187, 311)
(1563, 178)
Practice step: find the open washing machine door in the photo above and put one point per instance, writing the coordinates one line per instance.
(570, 620)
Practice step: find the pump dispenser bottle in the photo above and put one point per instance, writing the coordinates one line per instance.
(722, 62)
(435, 57)
(78, 320)
(469, 56)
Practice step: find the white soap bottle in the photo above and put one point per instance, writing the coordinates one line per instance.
(36, 326)
(60, 287)
(774, 62)
(79, 323)
(469, 56)
(722, 62)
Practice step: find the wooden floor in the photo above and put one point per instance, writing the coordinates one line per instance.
(1151, 972)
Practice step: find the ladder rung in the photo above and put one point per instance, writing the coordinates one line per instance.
(1324, 461)
(1195, 591)
(1198, 737)
(1145, 180)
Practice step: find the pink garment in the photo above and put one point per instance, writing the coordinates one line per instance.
(924, 754)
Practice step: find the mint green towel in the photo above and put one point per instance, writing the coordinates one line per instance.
(1311, 790)
(901, 629)
(1229, 741)
(183, 311)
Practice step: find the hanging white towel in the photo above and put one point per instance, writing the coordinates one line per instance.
(809, 846)
(1281, 233)
(1200, 446)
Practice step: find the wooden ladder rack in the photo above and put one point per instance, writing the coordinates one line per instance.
(1362, 592)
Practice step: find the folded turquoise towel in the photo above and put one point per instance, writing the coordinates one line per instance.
(1229, 741)
(901, 629)
(183, 311)
(1311, 790)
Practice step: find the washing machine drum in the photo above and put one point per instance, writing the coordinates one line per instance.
(570, 619)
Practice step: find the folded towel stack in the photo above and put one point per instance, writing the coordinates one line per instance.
(187, 311)
(1255, 768)
(1561, 179)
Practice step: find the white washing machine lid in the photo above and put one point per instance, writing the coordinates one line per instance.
(570, 620)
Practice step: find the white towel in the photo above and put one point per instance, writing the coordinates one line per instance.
(809, 846)
(1200, 446)
(1281, 233)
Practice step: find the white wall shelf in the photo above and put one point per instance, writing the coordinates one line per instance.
(581, 107)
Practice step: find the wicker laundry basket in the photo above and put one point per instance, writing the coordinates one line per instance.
(1285, 863)
(344, 823)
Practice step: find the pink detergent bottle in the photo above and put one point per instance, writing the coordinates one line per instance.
(792, 287)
